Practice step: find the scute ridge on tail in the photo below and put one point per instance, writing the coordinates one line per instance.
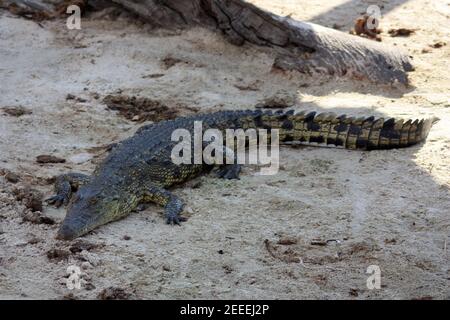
(362, 133)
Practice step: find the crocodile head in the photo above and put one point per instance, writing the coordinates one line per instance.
(93, 206)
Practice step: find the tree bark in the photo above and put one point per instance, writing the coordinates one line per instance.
(306, 47)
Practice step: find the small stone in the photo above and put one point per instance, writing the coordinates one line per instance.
(34, 203)
(390, 241)
(81, 245)
(287, 241)
(438, 44)
(401, 32)
(16, 111)
(227, 268)
(169, 61)
(12, 177)
(58, 254)
(45, 158)
(153, 76)
(354, 292)
(33, 217)
(113, 293)
(318, 242)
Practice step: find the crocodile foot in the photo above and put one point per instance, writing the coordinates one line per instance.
(57, 200)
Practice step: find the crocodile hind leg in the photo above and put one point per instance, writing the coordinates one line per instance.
(172, 204)
(64, 186)
(231, 169)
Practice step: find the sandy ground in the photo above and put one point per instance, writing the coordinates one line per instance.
(385, 208)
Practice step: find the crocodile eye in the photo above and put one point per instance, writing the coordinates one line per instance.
(93, 200)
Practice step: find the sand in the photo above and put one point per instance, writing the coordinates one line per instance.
(258, 237)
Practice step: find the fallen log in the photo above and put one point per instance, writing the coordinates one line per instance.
(305, 47)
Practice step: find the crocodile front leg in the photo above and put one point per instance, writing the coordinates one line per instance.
(172, 204)
(64, 186)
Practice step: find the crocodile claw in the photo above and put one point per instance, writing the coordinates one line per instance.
(174, 219)
(57, 200)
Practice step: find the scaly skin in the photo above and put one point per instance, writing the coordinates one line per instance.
(140, 169)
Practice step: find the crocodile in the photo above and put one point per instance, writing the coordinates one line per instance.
(140, 169)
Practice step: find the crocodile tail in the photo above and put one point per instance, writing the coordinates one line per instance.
(365, 133)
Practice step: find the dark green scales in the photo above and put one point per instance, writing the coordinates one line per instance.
(140, 169)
